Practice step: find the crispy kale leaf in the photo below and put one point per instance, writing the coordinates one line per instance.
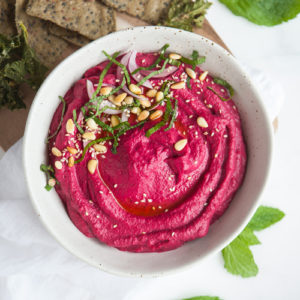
(18, 64)
(185, 14)
(267, 12)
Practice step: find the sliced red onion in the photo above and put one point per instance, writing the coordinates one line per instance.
(125, 89)
(105, 84)
(133, 66)
(168, 71)
(80, 117)
(109, 111)
(124, 117)
(90, 88)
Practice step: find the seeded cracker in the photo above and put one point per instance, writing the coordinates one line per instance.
(68, 35)
(151, 11)
(89, 18)
(48, 47)
(7, 24)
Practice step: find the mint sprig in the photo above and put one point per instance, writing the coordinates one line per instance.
(238, 258)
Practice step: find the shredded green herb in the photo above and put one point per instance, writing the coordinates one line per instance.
(156, 72)
(75, 122)
(103, 73)
(157, 61)
(91, 144)
(216, 93)
(225, 84)
(60, 121)
(195, 61)
(49, 171)
(164, 121)
(173, 115)
(103, 125)
(126, 74)
(188, 83)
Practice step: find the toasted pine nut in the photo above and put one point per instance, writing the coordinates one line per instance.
(52, 182)
(159, 96)
(89, 136)
(114, 121)
(145, 102)
(105, 90)
(180, 144)
(174, 56)
(120, 98)
(91, 124)
(135, 89)
(71, 161)
(191, 73)
(72, 150)
(92, 165)
(203, 76)
(156, 114)
(111, 98)
(178, 85)
(58, 165)
(100, 148)
(56, 152)
(136, 110)
(70, 126)
(128, 100)
(202, 122)
(143, 115)
(151, 93)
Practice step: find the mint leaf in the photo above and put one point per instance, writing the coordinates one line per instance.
(185, 14)
(225, 84)
(267, 12)
(203, 298)
(239, 259)
(264, 217)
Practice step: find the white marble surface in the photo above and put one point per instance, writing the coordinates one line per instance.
(276, 51)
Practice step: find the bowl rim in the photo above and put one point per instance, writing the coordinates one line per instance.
(197, 260)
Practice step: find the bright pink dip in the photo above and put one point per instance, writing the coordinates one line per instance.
(148, 197)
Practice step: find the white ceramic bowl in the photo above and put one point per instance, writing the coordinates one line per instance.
(257, 132)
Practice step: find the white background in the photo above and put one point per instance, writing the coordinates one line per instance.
(46, 271)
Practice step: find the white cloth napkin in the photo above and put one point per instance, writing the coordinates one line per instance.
(34, 266)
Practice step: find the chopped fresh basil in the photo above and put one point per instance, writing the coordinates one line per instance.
(225, 84)
(188, 83)
(126, 74)
(173, 115)
(49, 171)
(195, 61)
(103, 125)
(156, 72)
(60, 121)
(91, 144)
(157, 61)
(103, 73)
(76, 123)
(216, 93)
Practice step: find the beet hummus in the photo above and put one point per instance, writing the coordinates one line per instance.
(147, 150)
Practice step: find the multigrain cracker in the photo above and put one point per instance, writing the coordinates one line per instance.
(151, 11)
(71, 36)
(89, 18)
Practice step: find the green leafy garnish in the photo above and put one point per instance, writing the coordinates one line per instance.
(267, 12)
(49, 171)
(164, 121)
(216, 93)
(237, 255)
(126, 74)
(103, 125)
(103, 73)
(76, 123)
(60, 121)
(86, 148)
(157, 61)
(186, 13)
(225, 84)
(18, 64)
(173, 116)
(188, 83)
(156, 72)
(203, 298)
(195, 61)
